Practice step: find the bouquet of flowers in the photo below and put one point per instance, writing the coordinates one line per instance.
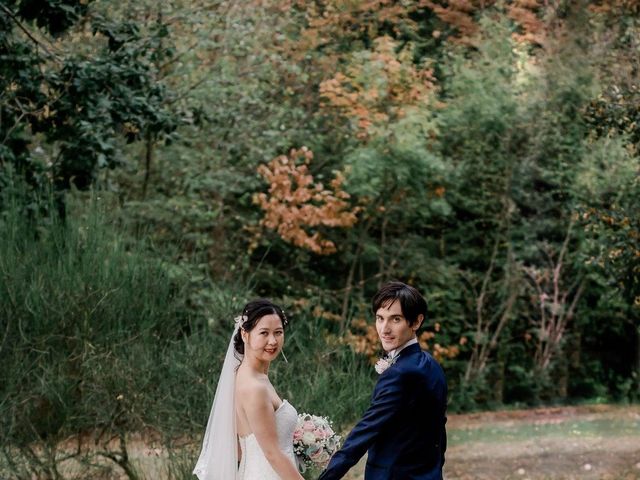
(314, 441)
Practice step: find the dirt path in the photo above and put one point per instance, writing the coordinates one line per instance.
(591, 442)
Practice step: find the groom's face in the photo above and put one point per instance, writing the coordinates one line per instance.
(392, 326)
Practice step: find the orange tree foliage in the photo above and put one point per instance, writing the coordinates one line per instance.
(377, 87)
(296, 205)
(462, 15)
(615, 6)
(458, 14)
(335, 25)
(527, 14)
(362, 337)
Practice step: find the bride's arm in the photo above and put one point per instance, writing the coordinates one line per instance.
(262, 421)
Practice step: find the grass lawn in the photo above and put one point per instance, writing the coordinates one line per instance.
(587, 442)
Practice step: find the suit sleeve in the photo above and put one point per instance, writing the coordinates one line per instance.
(443, 442)
(385, 405)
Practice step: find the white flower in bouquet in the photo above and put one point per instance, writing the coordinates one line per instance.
(314, 441)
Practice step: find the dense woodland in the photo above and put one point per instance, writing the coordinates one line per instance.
(163, 162)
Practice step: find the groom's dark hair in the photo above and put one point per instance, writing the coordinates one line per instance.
(411, 302)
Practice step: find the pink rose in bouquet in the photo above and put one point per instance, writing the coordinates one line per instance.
(314, 441)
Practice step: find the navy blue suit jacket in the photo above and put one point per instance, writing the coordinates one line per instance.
(404, 427)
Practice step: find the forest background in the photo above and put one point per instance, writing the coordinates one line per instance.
(163, 162)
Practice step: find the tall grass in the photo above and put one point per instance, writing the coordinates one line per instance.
(69, 292)
(96, 344)
(94, 341)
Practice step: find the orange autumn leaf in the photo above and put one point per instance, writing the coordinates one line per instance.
(296, 204)
(377, 87)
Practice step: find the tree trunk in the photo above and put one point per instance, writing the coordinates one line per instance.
(562, 383)
(637, 372)
(147, 163)
(498, 381)
(349, 286)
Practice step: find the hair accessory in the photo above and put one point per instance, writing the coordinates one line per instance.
(240, 319)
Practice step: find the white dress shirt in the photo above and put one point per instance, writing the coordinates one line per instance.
(393, 353)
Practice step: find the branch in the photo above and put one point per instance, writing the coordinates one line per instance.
(565, 244)
(485, 283)
(349, 286)
(177, 57)
(28, 34)
(491, 344)
(530, 272)
(574, 302)
(188, 90)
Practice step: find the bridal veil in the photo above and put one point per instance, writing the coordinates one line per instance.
(219, 455)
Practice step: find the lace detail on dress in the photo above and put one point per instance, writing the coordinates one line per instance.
(254, 465)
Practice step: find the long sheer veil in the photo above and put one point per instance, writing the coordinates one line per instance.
(219, 455)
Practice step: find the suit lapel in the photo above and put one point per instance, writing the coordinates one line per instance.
(407, 353)
(410, 350)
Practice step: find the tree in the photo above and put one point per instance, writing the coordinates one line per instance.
(66, 110)
(296, 204)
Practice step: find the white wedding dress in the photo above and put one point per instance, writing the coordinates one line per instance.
(253, 464)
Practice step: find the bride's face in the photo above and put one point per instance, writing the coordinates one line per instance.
(265, 340)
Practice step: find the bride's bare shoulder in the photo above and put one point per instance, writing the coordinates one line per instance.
(248, 386)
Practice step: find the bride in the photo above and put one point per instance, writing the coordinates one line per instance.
(248, 418)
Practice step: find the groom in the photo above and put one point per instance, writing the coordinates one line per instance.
(403, 428)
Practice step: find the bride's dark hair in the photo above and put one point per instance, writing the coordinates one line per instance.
(251, 315)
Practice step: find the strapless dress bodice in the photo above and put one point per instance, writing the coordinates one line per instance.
(253, 464)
